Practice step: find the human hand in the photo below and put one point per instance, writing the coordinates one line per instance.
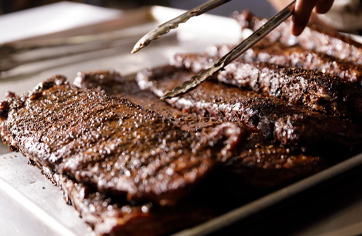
(303, 10)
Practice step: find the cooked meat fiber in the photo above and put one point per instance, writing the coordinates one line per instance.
(296, 56)
(114, 84)
(313, 37)
(259, 162)
(290, 124)
(270, 166)
(319, 91)
(107, 216)
(111, 143)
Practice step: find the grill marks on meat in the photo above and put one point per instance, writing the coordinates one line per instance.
(290, 124)
(319, 91)
(112, 83)
(296, 56)
(113, 144)
(313, 37)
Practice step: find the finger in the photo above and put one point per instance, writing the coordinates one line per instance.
(302, 12)
(323, 6)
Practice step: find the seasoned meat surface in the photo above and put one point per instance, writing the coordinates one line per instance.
(132, 164)
(296, 56)
(314, 37)
(292, 125)
(126, 87)
(113, 144)
(319, 91)
(266, 166)
(109, 216)
(275, 158)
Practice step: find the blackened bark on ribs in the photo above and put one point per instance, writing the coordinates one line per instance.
(258, 163)
(111, 143)
(109, 216)
(319, 91)
(257, 166)
(313, 37)
(112, 83)
(296, 56)
(297, 126)
(264, 166)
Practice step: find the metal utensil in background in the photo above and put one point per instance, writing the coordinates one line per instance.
(233, 54)
(174, 23)
(36, 54)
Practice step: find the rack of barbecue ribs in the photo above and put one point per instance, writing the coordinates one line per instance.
(131, 164)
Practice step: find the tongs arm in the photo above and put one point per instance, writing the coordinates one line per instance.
(233, 54)
(172, 24)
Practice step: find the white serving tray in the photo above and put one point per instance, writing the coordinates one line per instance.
(31, 205)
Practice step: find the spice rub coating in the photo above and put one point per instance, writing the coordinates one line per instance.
(270, 166)
(253, 159)
(319, 91)
(314, 37)
(289, 124)
(112, 83)
(111, 216)
(111, 143)
(296, 56)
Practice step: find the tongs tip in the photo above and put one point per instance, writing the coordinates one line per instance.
(186, 86)
(139, 45)
(192, 83)
(172, 24)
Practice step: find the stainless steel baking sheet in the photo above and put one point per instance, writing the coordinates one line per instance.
(31, 205)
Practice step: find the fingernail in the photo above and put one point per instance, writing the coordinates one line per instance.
(297, 30)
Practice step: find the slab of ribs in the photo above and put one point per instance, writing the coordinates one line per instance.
(131, 164)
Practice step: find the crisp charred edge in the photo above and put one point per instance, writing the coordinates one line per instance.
(55, 80)
(4, 110)
(99, 76)
(247, 19)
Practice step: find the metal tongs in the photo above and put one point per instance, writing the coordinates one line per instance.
(223, 61)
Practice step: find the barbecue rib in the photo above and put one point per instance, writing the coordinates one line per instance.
(319, 91)
(111, 143)
(281, 164)
(296, 56)
(131, 164)
(313, 37)
(292, 125)
(270, 166)
(112, 83)
(109, 216)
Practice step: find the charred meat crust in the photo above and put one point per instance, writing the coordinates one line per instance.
(113, 144)
(313, 37)
(109, 216)
(252, 142)
(253, 163)
(296, 56)
(112, 83)
(318, 91)
(301, 127)
(264, 166)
